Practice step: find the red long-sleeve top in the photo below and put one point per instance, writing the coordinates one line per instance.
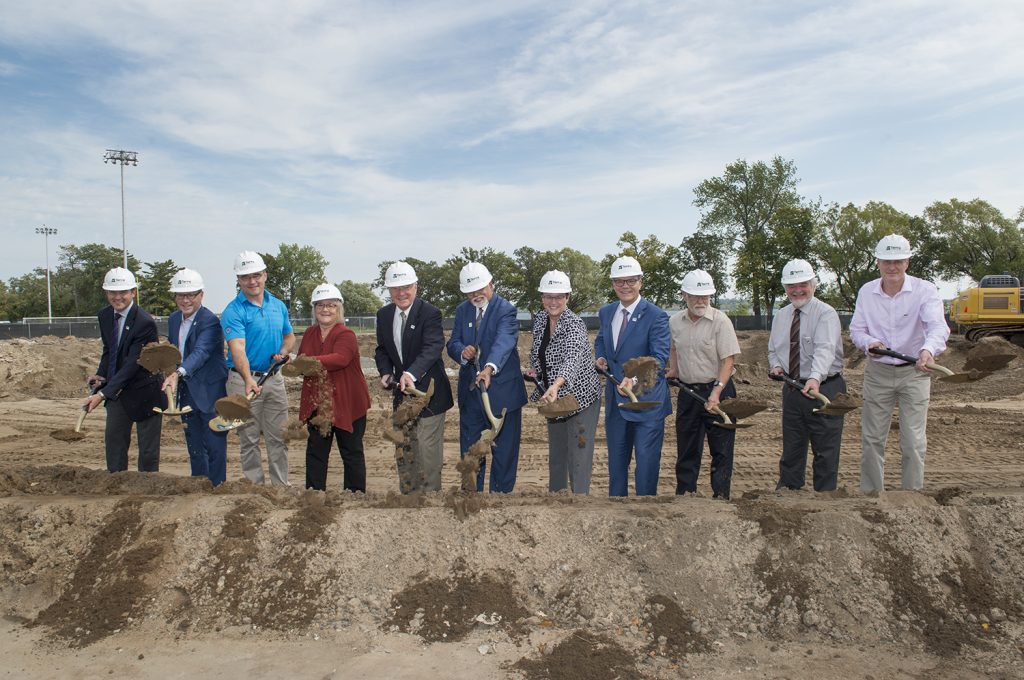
(339, 354)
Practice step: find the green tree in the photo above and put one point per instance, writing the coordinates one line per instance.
(154, 288)
(78, 282)
(588, 286)
(360, 300)
(429, 275)
(293, 273)
(27, 295)
(660, 262)
(6, 300)
(977, 239)
(845, 243)
(439, 283)
(741, 206)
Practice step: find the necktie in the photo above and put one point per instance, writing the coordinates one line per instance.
(402, 330)
(794, 346)
(622, 328)
(479, 319)
(112, 367)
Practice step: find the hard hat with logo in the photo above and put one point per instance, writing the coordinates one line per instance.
(474, 276)
(626, 267)
(893, 247)
(326, 291)
(797, 271)
(119, 278)
(186, 281)
(248, 262)
(555, 282)
(698, 282)
(399, 274)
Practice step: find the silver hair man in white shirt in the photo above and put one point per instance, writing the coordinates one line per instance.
(806, 344)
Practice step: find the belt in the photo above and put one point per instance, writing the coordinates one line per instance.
(701, 386)
(255, 374)
(831, 377)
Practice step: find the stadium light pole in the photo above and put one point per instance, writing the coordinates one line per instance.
(122, 158)
(46, 232)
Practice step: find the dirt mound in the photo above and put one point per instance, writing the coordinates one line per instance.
(47, 366)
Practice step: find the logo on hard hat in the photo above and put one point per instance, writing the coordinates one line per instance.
(471, 279)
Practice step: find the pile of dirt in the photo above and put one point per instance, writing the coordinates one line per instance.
(48, 366)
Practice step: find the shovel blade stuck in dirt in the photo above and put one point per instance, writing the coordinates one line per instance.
(234, 411)
(727, 422)
(946, 374)
(633, 404)
(840, 405)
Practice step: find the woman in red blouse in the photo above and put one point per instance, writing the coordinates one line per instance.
(339, 390)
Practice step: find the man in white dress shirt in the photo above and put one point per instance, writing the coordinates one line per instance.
(905, 314)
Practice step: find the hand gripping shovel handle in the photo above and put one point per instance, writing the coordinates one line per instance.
(531, 379)
(886, 352)
(728, 424)
(84, 413)
(796, 384)
(633, 404)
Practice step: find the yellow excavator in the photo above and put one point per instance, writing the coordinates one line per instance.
(994, 308)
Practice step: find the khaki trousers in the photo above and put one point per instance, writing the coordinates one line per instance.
(269, 411)
(886, 386)
(420, 469)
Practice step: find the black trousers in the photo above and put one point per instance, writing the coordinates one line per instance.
(693, 424)
(350, 446)
(800, 427)
(117, 439)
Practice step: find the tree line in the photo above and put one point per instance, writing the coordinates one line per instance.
(753, 220)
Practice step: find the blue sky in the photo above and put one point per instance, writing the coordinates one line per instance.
(378, 130)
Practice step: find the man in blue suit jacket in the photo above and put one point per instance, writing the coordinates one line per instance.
(130, 391)
(484, 342)
(202, 376)
(632, 327)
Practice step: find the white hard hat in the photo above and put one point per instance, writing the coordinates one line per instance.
(399, 274)
(893, 247)
(119, 278)
(555, 282)
(186, 281)
(474, 276)
(698, 282)
(326, 291)
(626, 266)
(797, 271)
(249, 262)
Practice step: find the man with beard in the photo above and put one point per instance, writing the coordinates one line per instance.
(806, 344)
(704, 350)
(484, 343)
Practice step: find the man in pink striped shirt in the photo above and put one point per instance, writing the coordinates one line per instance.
(905, 314)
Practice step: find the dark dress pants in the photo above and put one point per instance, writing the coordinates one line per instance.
(504, 452)
(117, 438)
(800, 427)
(693, 424)
(350, 446)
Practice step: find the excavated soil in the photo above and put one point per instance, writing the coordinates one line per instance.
(156, 575)
(233, 407)
(159, 357)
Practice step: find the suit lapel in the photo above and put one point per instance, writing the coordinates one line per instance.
(634, 319)
(410, 324)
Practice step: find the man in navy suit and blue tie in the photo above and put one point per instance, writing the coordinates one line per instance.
(130, 391)
(202, 376)
(484, 342)
(632, 327)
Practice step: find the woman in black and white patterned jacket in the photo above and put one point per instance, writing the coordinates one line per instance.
(562, 361)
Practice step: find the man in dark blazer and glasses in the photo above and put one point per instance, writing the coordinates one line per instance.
(128, 390)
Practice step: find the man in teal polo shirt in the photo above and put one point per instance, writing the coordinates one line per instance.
(258, 332)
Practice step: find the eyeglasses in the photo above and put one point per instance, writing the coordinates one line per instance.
(632, 281)
(187, 296)
(251, 277)
(326, 305)
(553, 297)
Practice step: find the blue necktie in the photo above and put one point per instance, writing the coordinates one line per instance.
(112, 369)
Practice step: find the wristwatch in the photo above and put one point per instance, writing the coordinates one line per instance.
(718, 383)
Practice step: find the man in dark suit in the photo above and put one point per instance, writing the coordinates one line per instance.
(130, 391)
(201, 379)
(484, 342)
(632, 327)
(410, 340)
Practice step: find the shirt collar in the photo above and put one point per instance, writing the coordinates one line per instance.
(632, 308)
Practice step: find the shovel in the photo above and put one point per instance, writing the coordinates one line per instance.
(727, 424)
(559, 408)
(227, 407)
(490, 435)
(842, 404)
(632, 404)
(947, 375)
(157, 357)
